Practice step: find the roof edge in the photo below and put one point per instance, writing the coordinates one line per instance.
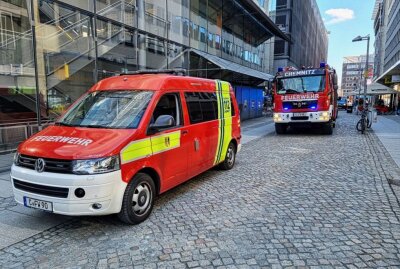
(269, 23)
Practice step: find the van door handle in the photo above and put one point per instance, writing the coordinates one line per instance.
(184, 132)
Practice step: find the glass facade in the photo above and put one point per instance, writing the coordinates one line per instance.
(79, 42)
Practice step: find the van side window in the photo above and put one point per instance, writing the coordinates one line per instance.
(169, 104)
(202, 106)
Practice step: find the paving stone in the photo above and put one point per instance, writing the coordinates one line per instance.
(299, 200)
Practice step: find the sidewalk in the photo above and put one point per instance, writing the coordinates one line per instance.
(6, 161)
(388, 131)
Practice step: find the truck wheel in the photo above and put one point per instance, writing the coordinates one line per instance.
(230, 158)
(138, 200)
(280, 128)
(327, 128)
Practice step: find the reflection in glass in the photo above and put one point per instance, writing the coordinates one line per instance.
(108, 109)
(153, 16)
(152, 52)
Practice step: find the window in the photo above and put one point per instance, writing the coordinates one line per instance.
(203, 34)
(169, 104)
(195, 31)
(211, 40)
(281, 4)
(108, 109)
(217, 42)
(279, 47)
(202, 106)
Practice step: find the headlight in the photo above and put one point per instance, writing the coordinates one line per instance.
(16, 158)
(95, 166)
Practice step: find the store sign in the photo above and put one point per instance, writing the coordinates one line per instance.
(308, 72)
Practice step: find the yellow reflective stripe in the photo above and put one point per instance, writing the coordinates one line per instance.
(227, 119)
(219, 102)
(166, 142)
(149, 146)
(224, 119)
(136, 150)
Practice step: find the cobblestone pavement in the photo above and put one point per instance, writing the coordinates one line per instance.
(296, 200)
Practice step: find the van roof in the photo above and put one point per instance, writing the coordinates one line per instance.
(154, 82)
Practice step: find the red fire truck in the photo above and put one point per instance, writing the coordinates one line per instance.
(306, 97)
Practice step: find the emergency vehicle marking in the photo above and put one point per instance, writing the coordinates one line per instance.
(293, 97)
(308, 72)
(147, 147)
(224, 119)
(63, 139)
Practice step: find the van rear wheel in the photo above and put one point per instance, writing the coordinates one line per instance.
(230, 157)
(138, 200)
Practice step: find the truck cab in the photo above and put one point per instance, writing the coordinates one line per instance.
(306, 98)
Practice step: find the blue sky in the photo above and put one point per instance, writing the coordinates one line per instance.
(345, 20)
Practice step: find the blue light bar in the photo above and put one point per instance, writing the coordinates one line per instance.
(286, 108)
(313, 107)
(322, 65)
(280, 69)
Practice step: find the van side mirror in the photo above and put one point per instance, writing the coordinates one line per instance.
(162, 122)
(335, 87)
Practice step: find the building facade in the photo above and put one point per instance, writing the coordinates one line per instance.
(379, 17)
(302, 21)
(353, 70)
(386, 16)
(73, 44)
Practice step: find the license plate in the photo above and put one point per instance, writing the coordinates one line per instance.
(299, 114)
(39, 204)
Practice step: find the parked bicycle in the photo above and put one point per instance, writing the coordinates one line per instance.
(365, 121)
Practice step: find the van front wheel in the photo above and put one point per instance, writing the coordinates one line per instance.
(138, 200)
(230, 157)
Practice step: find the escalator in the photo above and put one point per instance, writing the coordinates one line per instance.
(75, 47)
(65, 42)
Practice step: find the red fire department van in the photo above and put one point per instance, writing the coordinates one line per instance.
(128, 139)
(306, 97)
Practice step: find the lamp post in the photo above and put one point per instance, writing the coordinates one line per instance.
(357, 39)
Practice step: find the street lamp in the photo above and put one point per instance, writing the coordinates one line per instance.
(357, 39)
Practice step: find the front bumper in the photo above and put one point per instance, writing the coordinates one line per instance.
(105, 189)
(313, 117)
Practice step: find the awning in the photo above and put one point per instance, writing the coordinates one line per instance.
(233, 67)
(374, 89)
(261, 16)
(392, 75)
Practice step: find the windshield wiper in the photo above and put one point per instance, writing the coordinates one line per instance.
(291, 91)
(63, 124)
(94, 126)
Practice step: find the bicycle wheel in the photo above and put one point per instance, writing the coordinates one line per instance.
(358, 126)
(363, 125)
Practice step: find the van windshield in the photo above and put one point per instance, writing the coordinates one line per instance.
(108, 109)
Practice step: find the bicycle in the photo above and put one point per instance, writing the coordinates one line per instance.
(365, 121)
